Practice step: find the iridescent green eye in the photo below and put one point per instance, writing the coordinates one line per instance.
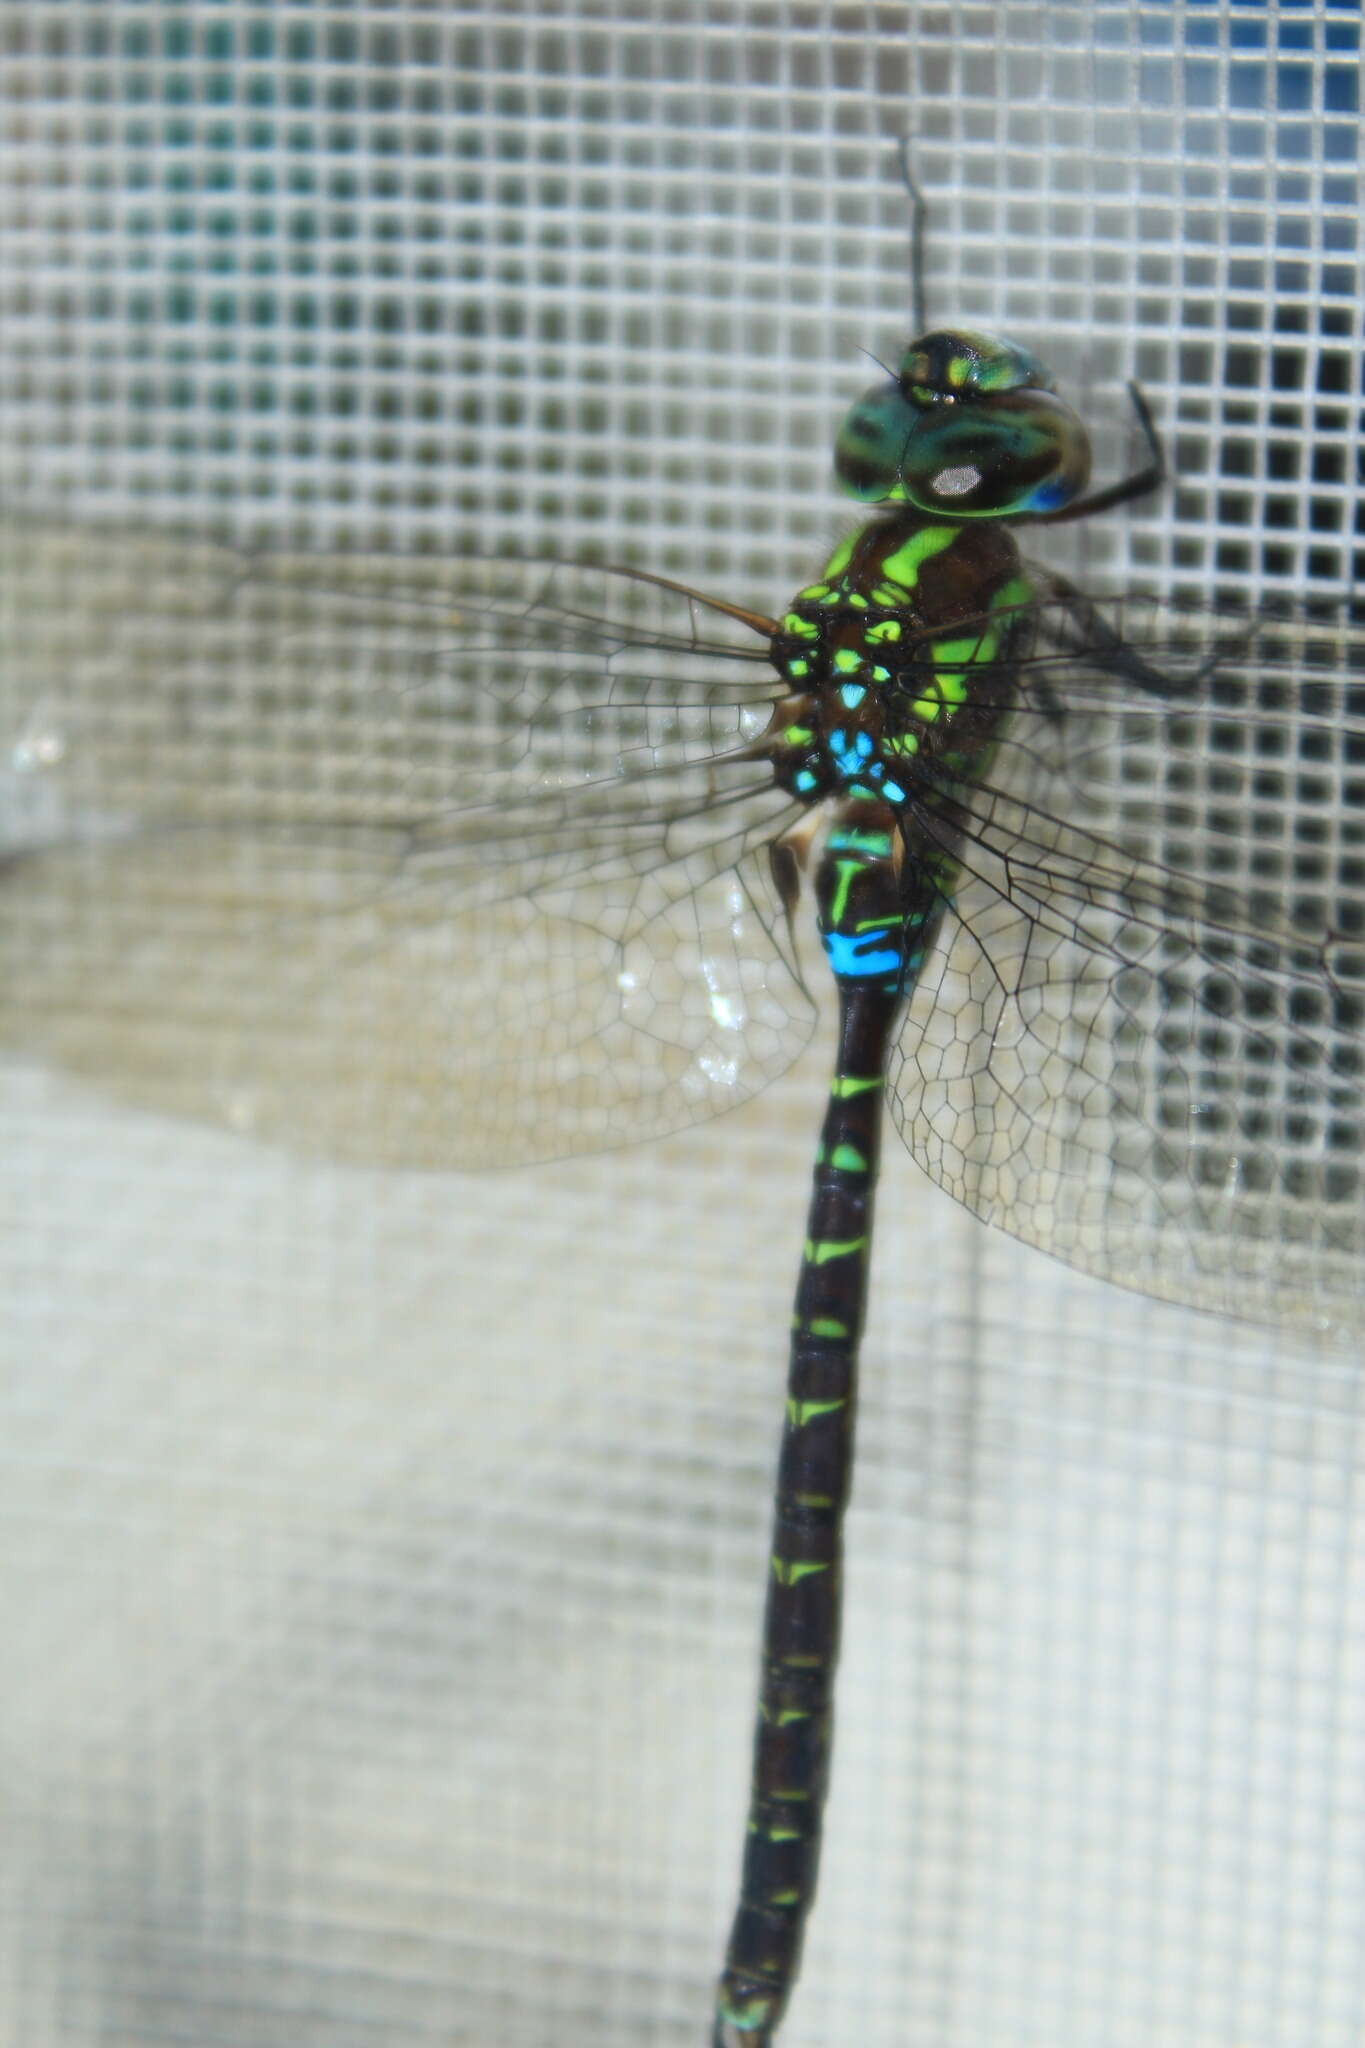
(871, 444)
(1022, 452)
(971, 429)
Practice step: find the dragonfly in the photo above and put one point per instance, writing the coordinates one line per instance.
(495, 860)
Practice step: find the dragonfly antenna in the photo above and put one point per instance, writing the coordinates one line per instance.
(919, 214)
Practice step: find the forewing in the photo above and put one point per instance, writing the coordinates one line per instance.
(408, 862)
(1138, 1042)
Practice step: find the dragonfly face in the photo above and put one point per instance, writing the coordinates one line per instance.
(970, 428)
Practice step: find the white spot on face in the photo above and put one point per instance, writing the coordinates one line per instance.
(956, 483)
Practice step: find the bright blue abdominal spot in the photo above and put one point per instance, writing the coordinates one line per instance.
(857, 956)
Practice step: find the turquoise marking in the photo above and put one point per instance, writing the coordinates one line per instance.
(851, 959)
(852, 695)
(749, 2018)
(893, 792)
(904, 566)
(878, 844)
(853, 757)
(804, 780)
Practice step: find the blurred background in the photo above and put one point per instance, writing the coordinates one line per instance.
(383, 1551)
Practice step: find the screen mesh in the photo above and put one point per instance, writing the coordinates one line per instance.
(384, 1548)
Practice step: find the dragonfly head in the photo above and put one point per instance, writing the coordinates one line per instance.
(971, 428)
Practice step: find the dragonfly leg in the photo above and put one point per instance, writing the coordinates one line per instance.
(1149, 478)
(1096, 642)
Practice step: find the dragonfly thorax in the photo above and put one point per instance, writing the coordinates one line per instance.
(897, 660)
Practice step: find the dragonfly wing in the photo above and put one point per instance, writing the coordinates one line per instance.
(1140, 1042)
(424, 865)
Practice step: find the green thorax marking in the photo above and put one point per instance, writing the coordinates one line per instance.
(902, 568)
(883, 652)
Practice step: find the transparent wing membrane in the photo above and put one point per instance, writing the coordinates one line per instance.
(1139, 1041)
(468, 864)
(446, 869)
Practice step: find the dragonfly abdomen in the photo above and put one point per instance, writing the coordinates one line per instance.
(872, 939)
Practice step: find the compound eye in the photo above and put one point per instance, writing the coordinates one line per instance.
(1019, 453)
(869, 453)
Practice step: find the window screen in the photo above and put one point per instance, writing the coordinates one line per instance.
(384, 1545)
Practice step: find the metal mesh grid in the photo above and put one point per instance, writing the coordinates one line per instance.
(383, 1551)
